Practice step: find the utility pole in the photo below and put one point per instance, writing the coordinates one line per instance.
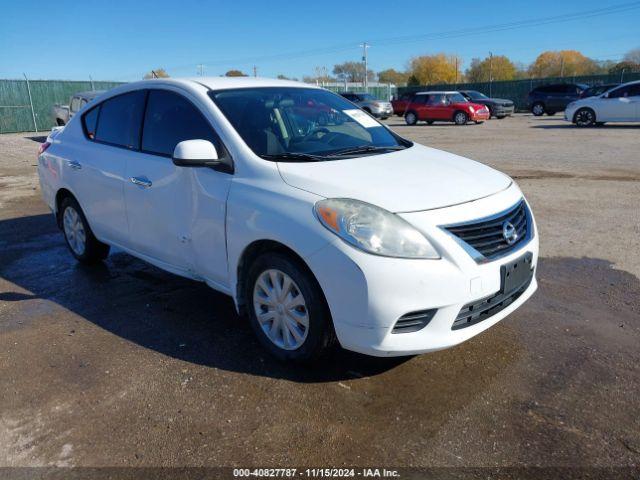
(456, 70)
(200, 70)
(255, 71)
(365, 83)
(490, 72)
(561, 66)
(91, 80)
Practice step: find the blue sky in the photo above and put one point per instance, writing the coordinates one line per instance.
(121, 40)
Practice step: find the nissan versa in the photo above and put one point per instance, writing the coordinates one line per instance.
(320, 222)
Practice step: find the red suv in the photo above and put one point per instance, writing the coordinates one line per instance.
(444, 106)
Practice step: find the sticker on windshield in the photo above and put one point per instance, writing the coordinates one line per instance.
(362, 118)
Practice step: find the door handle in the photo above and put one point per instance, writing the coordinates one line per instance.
(141, 181)
(73, 164)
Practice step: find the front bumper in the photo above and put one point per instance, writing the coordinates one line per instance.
(367, 294)
(480, 115)
(382, 112)
(503, 111)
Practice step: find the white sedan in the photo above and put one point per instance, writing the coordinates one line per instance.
(319, 221)
(620, 104)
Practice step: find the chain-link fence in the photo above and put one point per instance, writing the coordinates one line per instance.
(26, 105)
(517, 90)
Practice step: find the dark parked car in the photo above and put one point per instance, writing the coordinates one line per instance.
(597, 90)
(498, 107)
(550, 99)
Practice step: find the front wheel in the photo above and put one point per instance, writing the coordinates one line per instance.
(411, 118)
(287, 309)
(460, 118)
(585, 117)
(84, 246)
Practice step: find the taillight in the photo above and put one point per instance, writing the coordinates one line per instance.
(43, 147)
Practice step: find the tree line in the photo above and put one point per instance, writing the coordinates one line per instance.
(447, 68)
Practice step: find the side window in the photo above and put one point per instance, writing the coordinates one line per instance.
(620, 92)
(634, 90)
(169, 120)
(120, 120)
(90, 122)
(436, 99)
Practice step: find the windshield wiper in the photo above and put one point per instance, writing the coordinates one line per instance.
(292, 156)
(365, 149)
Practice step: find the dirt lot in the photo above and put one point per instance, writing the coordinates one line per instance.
(126, 365)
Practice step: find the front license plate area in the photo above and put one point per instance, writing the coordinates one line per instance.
(515, 274)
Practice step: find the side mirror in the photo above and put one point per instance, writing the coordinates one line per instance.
(195, 153)
(605, 95)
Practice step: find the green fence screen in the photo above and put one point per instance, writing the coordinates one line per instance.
(517, 90)
(15, 107)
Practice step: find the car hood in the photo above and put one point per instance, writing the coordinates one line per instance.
(415, 179)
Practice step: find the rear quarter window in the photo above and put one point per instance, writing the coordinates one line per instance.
(90, 122)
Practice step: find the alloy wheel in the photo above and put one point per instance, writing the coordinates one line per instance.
(74, 230)
(410, 119)
(585, 118)
(460, 118)
(538, 109)
(281, 309)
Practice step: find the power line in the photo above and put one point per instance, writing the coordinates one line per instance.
(610, 10)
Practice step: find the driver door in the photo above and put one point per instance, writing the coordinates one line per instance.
(621, 105)
(176, 214)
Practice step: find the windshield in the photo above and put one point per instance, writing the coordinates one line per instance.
(302, 124)
(475, 95)
(366, 96)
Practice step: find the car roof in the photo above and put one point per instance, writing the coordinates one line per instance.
(224, 83)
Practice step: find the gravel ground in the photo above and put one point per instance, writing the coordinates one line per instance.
(125, 365)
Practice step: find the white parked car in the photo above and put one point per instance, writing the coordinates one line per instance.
(320, 222)
(620, 104)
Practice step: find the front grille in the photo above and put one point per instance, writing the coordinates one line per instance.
(414, 321)
(487, 236)
(480, 310)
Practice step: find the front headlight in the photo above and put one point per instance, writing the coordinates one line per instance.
(471, 109)
(373, 229)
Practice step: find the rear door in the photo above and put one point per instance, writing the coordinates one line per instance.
(97, 168)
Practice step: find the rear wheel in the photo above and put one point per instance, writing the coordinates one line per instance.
(551, 114)
(460, 118)
(60, 122)
(429, 122)
(78, 235)
(585, 117)
(287, 309)
(537, 109)
(411, 118)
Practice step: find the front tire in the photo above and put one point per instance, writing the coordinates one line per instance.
(82, 243)
(460, 118)
(287, 309)
(585, 117)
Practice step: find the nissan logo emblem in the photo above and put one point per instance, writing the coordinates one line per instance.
(509, 233)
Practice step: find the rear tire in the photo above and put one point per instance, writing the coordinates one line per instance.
(551, 114)
(60, 122)
(82, 243)
(411, 118)
(537, 109)
(287, 309)
(429, 122)
(460, 118)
